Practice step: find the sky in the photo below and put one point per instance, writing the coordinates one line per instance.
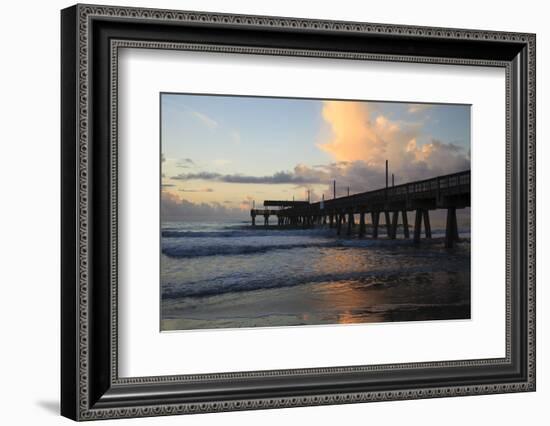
(222, 154)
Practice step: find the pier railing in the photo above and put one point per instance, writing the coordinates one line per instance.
(441, 186)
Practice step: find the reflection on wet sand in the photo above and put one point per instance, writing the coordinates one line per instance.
(345, 282)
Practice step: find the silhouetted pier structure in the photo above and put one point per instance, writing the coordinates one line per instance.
(450, 192)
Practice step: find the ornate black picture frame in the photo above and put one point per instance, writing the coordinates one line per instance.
(91, 387)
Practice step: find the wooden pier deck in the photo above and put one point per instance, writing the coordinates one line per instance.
(450, 192)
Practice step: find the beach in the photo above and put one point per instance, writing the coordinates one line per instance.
(229, 275)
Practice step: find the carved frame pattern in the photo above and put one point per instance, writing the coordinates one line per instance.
(85, 13)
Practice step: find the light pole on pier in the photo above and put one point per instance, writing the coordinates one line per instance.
(386, 174)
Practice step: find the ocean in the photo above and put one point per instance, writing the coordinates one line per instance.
(230, 275)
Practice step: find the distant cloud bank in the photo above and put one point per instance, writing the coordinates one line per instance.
(174, 208)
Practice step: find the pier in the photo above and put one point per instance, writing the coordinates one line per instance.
(449, 192)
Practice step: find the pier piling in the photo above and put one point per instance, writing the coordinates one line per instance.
(427, 227)
(417, 225)
(375, 219)
(339, 224)
(362, 224)
(405, 224)
(350, 223)
(449, 192)
(394, 225)
(451, 231)
(388, 223)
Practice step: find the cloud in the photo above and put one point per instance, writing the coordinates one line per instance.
(185, 163)
(203, 118)
(300, 176)
(175, 208)
(197, 190)
(362, 140)
(357, 134)
(415, 108)
(440, 158)
(357, 175)
(175, 104)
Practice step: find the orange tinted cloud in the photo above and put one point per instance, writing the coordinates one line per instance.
(353, 136)
(361, 134)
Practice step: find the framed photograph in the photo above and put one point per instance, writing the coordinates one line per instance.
(263, 212)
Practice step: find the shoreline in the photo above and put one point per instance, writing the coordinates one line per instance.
(292, 276)
(382, 233)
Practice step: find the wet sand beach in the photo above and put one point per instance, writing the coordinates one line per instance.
(230, 276)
